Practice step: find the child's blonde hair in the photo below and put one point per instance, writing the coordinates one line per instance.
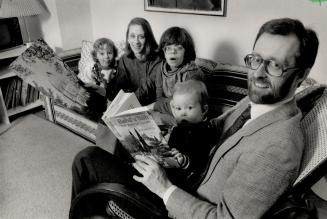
(193, 86)
(99, 43)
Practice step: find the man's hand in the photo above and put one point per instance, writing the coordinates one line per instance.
(153, 176)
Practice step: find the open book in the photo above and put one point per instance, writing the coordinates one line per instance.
(136, 129)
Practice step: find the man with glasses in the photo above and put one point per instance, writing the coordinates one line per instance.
(254, 161)
(254, 164)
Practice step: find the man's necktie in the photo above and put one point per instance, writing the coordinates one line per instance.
(238, 124)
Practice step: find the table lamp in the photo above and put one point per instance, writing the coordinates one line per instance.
(20, 8)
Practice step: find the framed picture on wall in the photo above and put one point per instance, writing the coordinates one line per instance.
(202, 7)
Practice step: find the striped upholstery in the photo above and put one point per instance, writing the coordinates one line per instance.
(227, 84)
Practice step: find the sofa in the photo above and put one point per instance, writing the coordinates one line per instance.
(226, 86)
(226, 83)
(65, 99)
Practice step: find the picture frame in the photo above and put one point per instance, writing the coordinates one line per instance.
(199, 7)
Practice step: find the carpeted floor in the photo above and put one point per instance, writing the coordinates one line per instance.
(35, 169)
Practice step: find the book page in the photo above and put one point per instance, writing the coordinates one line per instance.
(114, 102)
(123, 101)
(133, 111)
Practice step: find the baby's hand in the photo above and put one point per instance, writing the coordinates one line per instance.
(107, 75)
(90, 85)
(174, 152)
(182, 159)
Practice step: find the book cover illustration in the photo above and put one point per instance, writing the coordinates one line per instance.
(138, 132)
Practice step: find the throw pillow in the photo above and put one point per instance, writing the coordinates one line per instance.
(86, 62)
(42, 68)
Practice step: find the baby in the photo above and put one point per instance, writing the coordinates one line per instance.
(104, 54)
(193, 137)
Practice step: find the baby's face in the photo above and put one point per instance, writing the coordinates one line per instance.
(174, 55)
(187, 108)
(105, 55)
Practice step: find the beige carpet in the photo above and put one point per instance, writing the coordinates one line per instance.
(35, 169)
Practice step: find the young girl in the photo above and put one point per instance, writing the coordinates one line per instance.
(193, 137)
(177, 48)
(104, 54)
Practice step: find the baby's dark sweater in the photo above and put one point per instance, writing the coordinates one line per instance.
(196, 142)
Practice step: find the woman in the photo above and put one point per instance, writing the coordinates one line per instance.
(138, 63)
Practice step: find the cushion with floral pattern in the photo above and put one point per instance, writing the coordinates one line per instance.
(39, 66)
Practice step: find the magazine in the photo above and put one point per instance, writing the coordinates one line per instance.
(136, 129)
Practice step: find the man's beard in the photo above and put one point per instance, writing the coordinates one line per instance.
(271, 94)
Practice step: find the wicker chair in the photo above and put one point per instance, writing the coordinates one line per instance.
(314, 125)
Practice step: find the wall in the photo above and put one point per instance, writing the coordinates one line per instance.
(75, 22)
(227, 39)
(50, 25)
(66, 23)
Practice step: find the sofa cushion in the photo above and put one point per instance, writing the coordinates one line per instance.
(41, 67)
(86, 62)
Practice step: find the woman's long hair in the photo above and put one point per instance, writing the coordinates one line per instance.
(151, 44)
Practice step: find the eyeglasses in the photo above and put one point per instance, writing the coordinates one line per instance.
(173, 48)
(272, 67)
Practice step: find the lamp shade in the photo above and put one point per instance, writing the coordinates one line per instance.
(20, 8)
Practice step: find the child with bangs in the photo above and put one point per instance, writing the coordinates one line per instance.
(176, 47)
(104, 54)
(96, 80)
